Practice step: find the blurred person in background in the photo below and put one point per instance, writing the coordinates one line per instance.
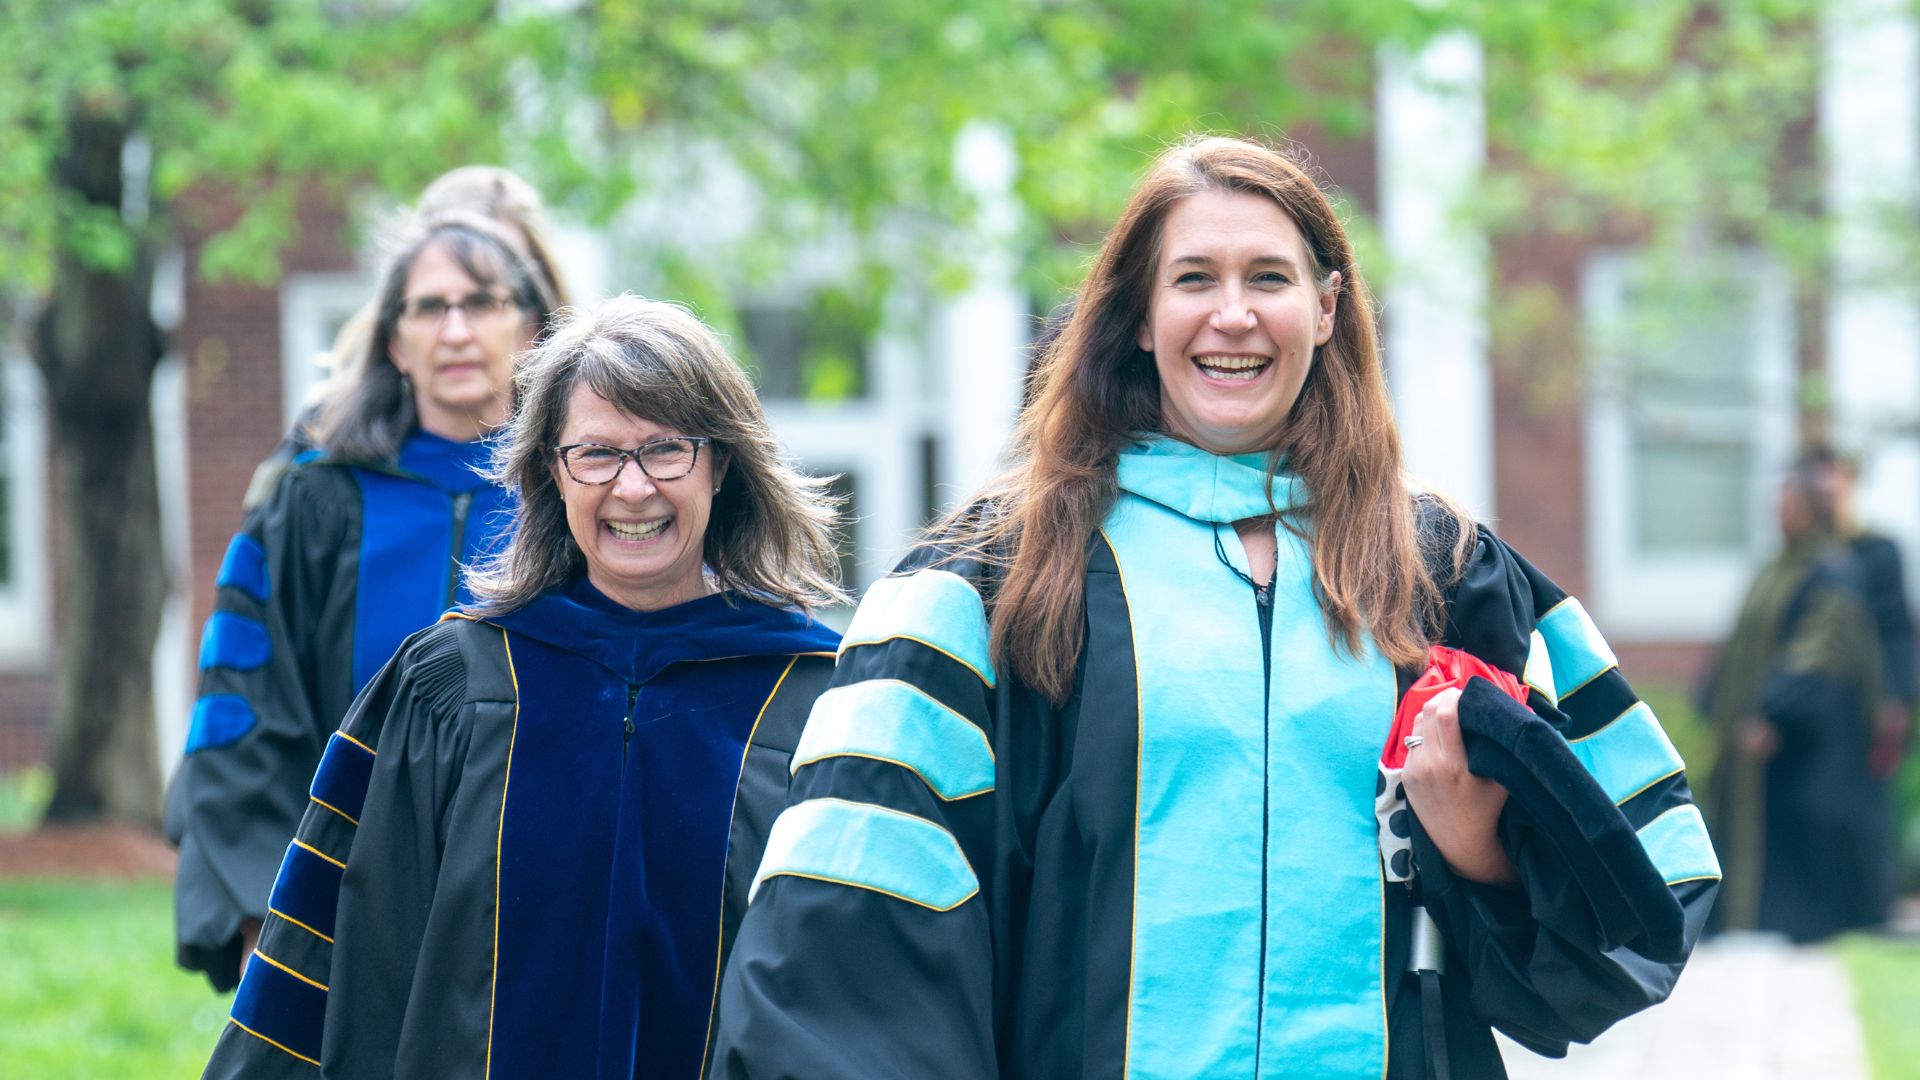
(1792, 697)
(1097, 788)
(1882, 577)
(530, 842)
(360, 545)
(487, 190)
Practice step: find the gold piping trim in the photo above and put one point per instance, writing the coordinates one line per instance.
(937, 703)
(720, 938)
(1622, 801)
(335, 809)
(1139, 752)
(493, 981)
(1615, 666)
(258, 955)
(271, 1043)
(1623, 713)
(977, 673)
(343, 734)
(283, 916)
(799, 764)
(875, 888)
(299, 843)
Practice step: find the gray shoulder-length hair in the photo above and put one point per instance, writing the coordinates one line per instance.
(370, 411)
(770, 535)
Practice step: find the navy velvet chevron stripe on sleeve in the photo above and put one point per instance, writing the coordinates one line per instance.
(340, 784)
(307, 890)
(234, 641)
(282, 1007)
(245, 568)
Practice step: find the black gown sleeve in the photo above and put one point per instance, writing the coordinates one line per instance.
(349, 907)
(262, 717)
(867, 948)
(1883, 581)
(1616, 873)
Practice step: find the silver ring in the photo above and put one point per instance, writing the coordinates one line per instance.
(1412, 741)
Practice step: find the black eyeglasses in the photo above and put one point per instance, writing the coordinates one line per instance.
(425, 311)
(660, 459)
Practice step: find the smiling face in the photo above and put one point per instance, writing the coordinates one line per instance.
(1233, 318)
(460, 363)
(643, 538)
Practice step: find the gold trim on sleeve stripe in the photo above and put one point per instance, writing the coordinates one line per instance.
(271, 1043)
(299, 843)
(258, 955)
(284, 917)
(322, 802)
(343, 734)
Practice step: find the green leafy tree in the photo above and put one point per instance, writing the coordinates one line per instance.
(1664, 120)
(239, 102)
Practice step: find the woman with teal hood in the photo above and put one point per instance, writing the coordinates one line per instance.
(1094, 790)
(528, 846)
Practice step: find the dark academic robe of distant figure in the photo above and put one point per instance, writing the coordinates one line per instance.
(528, 847)
(1805, 831)
(1180, 873)
(1878, 571)
(316, 591)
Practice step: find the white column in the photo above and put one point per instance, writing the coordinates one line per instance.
(174, 675)
(1870, 128)
(1432, 146)
(982, 335)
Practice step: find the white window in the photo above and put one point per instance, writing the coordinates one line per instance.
(1689, 424)
(24, 623)
(815, 350)
(313, 308)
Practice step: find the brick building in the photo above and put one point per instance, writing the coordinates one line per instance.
(1631, 452)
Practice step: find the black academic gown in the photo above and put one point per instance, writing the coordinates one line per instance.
(528, 845)
(316, 591)
(958, 886)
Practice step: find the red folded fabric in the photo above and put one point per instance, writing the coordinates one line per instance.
(1446, 668)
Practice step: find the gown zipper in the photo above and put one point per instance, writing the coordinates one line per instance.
(626, 738)
(461, 501)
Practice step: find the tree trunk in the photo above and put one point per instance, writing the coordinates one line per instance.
(97, 346)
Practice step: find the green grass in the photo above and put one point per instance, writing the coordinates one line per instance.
(88, 987)
(1886, 982)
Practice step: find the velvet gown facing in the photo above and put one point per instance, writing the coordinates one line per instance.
(527, 847)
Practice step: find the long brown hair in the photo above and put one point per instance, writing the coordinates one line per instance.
(1096, 391)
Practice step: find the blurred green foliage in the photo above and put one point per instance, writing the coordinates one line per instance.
(89, 989)
(1675, 120)
(1684, 725)
(23, 794)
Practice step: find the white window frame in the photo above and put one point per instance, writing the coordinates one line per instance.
(1655, 596)
(309, 304)
(25, 611)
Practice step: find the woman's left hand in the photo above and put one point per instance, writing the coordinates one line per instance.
(1459, 810)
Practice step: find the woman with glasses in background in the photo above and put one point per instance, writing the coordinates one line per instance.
(360, 545)
(531, 840)
(489, 191)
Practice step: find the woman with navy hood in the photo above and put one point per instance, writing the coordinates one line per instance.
(529, 845)
(360, 545)
(1099, 790)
